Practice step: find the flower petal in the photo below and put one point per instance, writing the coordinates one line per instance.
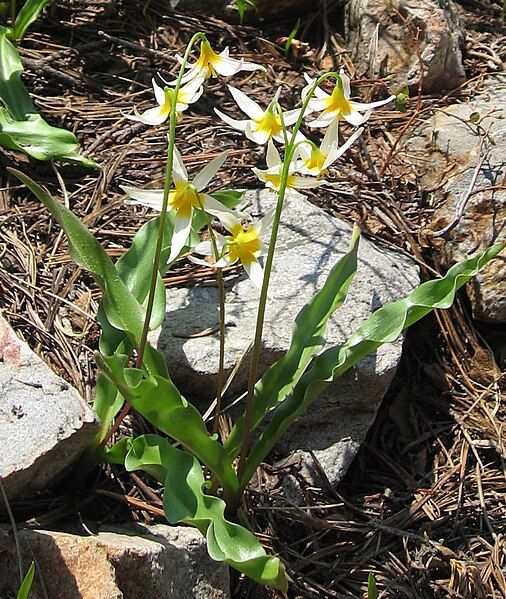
(229, 221)
(255, 272)
(259, 136)
(152, 198)
(356, 119)
(226, 66)
(247, 105)
(179, 172)
(336, 151)
(159, 92)
(362, 106)
(272, 158)
(152, 116)
(298, 182)
(239, 125)
(209, 171)
(182, 230)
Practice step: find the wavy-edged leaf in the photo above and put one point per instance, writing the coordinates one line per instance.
(26, 585)
(26, 16)
(159, 401)
(185, 501)
(308, 338)
(21, 127)
(123, 311)
(383, 326)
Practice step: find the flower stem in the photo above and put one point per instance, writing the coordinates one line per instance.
(257, 343)
(161, 229)
(221, 294)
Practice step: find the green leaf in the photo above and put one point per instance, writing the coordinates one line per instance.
(158, 400)
(241, 7)
(13, 93)
(402, 99)
(21, 127)
(185, 501)
(291, 37)
(26, 16)
(372, 589)
(38, 139)
(383, 326)
(26, 585)
(308, 338)
(122, 310)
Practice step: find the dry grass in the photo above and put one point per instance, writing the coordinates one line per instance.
(423, 505)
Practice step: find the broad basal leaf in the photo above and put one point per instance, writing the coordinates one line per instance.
(21, 127)
(159, 401)
(186, 502)
(26, 16)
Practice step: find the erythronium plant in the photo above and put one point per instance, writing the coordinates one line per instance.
(205, 476)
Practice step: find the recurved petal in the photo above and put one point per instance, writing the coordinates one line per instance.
(179, 172)
(272, 157)
(209, 171)
(235, 124)
(363, 106)
(152, 198)
(247, 105)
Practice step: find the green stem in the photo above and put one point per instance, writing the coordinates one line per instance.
(221, 293)
(257, 343)
(166, 189)
(12, 7)
(161, 229)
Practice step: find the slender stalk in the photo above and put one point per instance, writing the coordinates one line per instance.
(221, 294)
(166, 189)
(161, 228)
(12, 7)
(257, 343)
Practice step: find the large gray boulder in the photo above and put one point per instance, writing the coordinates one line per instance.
(122, 562)
(441, 41)
(45, 424)
(337, 423)
(462, 170)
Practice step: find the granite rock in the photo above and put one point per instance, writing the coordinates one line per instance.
(44, 423)
(450, 152)
(440, 44)
(122, 562)
(338, 421)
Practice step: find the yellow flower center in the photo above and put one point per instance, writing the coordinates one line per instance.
(185, 197)
(316, 160)
(275, 179)
(207, 59)
(268, 122)
(338, 103)
(243, 245)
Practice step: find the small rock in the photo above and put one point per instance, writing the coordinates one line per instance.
(122, 562)
(227, 9)
(441, 40)
(45, 424)
(337, 423)
(449, 144)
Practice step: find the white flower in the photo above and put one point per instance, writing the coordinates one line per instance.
(272, 175)
(244, 245)
(315, 161)
(210, 64)
(187, 95)
(337, 105)
(185, 196)
(262, 125)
